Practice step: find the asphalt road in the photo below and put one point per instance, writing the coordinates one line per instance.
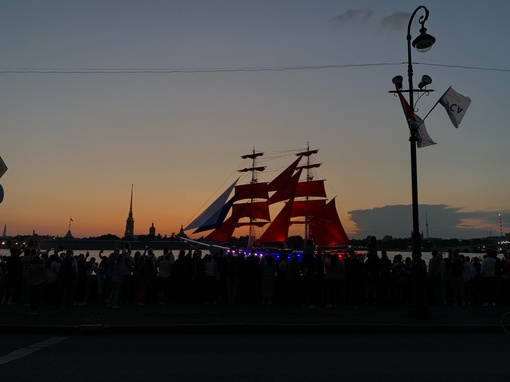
(257, 357)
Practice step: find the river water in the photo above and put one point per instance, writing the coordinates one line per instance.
(391, 254)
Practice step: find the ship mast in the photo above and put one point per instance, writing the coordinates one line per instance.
(309, 177)
(254, 169)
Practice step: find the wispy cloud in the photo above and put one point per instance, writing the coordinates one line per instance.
(351, 17)
(396, 22)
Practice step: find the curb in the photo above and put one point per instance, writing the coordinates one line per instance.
(235, 329)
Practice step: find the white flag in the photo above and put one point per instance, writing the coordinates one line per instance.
(455, 104)
(422, 137)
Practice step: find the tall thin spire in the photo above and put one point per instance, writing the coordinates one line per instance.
(131, 202)
(130, 222)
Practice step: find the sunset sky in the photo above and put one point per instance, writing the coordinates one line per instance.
(75, 142)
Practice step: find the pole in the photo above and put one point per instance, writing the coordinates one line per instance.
(418, 307)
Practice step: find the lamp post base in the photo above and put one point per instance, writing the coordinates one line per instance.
(419, 308)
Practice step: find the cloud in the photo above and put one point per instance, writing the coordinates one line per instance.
(396, 22)
(351, 17)
(443, 222)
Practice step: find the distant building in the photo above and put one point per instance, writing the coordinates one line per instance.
(152, 231)
(181, 234)
(130, 222)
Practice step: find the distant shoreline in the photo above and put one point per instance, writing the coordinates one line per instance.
(81, 244)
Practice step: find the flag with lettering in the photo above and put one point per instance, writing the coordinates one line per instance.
(422, 136)
(455, 104)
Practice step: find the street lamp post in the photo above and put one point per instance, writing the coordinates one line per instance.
(419, 306)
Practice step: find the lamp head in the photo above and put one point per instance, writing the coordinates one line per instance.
(397, 81)
(424, 41)
(425, 80)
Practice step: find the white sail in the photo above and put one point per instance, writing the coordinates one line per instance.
(211, 215)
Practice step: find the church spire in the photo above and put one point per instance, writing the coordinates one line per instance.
(130, 222)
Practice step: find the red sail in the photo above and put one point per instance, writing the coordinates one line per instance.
(285, 190)
(225, 231)
(278, 230)
(284, 178)
(282, 194)
(308, 208)
(328, 230)
(257, 210)
(252, 191)
(313, 188)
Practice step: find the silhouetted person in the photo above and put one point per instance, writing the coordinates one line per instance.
(353, 273)
(373, 268)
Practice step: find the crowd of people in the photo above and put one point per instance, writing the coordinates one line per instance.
(313, 278)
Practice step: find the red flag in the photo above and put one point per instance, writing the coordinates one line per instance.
(423, 138)
(408, 110)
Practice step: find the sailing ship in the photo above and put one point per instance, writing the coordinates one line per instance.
(249, 205)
